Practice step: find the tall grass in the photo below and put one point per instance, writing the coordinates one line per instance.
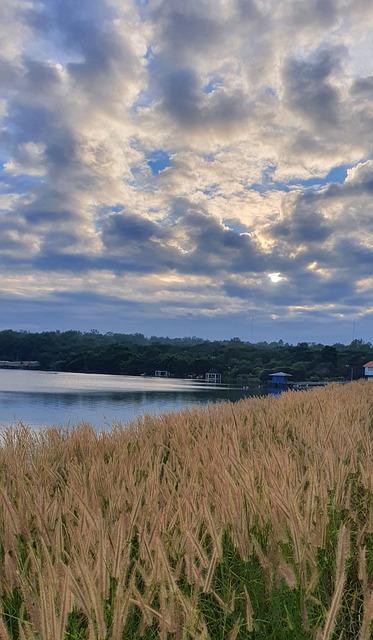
(252, 520)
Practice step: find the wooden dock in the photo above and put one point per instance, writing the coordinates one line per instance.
(297, 386)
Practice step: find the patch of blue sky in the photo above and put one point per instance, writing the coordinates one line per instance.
(236, 226)
(102, 212)
(152, 61)
(5, 187)
(267, 183)
(158, 161)
(149, 53)
(4, 176)
(269, 91)
(144, 99)
(142, 4)
(18, 184)
(212, 85)
(210, 189)
(337, 175)
(137, 179)
(140, 179)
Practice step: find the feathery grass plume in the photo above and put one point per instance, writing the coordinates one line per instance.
(65, 605)
(210, 571)
(249, 611)
(365, 631)
(235, 631)
(342, 555)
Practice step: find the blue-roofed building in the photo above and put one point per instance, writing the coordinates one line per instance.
(279, 379)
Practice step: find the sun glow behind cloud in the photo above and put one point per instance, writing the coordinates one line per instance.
(275, 277)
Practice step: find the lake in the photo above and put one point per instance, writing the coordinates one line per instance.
(42, 398)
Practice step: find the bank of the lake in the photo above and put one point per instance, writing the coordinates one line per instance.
(40, 398)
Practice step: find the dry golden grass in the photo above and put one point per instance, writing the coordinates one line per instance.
(107, 523)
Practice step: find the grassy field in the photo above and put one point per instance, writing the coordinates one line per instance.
(248, 520)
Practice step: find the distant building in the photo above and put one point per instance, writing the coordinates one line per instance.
(30, 364)
(368, 370)
(19, 364)
(10, 364)
(213, 376)
(279, 378)
(162, 374)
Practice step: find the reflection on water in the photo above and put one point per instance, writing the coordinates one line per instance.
(41, 398)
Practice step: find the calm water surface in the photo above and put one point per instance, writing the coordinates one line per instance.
(40, 398)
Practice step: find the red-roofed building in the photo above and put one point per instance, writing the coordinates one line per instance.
(368, 370)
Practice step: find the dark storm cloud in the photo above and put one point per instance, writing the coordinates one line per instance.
(185, 30)
(39, 76)
(307, 85)
(7, 74)
(86, 30)
(40, 125)
(182, 24)
(302, 226)
(192, 242)
(249, 11)
(28, 81)
(68, 21)
(363, 87)
(315, 13)
(211, 245)
(354, 256)
(53, 258)
(120, 228)
(301, 287)
(14, 243)
(100, 51)
(135, 243)
(34, 116)
(305, 208)
(50, 205)
(182, 95)
(30, 123)
(184, 100)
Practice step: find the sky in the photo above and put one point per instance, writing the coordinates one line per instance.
(187, 168)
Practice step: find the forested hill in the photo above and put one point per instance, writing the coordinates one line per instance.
(134, 354)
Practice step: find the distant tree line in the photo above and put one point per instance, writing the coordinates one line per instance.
(134, 354)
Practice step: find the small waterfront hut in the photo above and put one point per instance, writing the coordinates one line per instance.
(162, 374)
(279, 379)
(213, 376)
(368, 370)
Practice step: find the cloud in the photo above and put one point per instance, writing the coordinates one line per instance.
(302, 227)
(191, 150)
(308, 86)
